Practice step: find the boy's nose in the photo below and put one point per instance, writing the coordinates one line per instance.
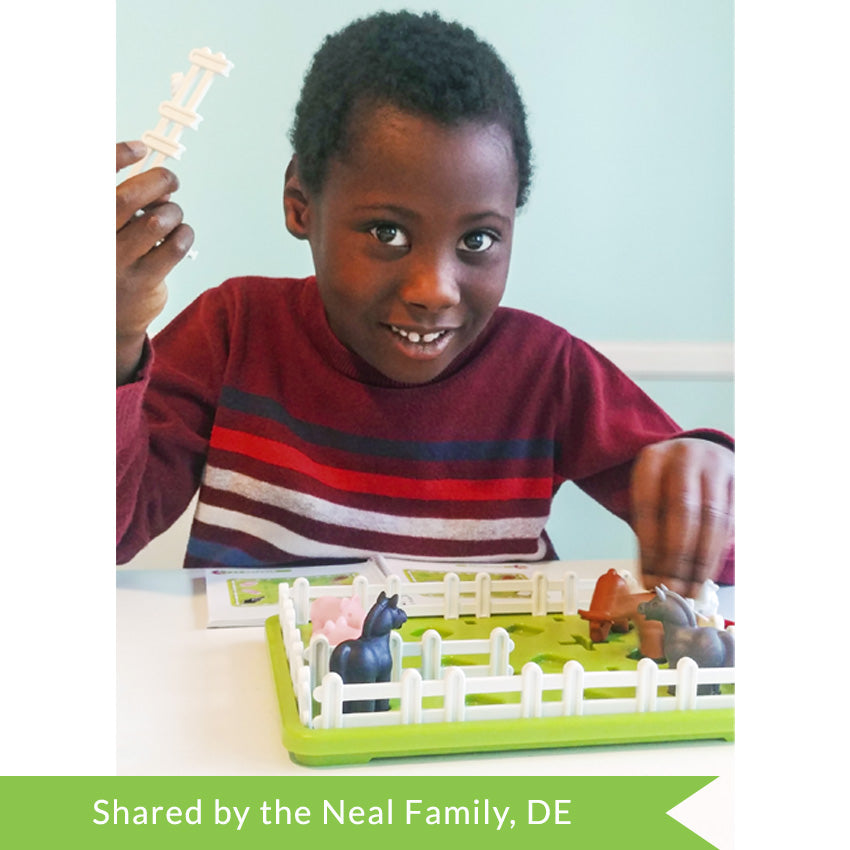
(431, 287)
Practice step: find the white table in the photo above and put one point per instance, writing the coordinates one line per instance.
(193, 700)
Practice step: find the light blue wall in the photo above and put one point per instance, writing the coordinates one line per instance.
(628, 234)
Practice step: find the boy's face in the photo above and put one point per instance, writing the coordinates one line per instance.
(411, 239)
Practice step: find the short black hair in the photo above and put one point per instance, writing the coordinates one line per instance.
(417, 63)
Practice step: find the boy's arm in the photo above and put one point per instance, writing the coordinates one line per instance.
(158, 458)
(675, 488)
(164, 420)
(158, 463)
(150, 240)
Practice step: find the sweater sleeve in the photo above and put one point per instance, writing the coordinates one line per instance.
(164, 419)
(610, 420)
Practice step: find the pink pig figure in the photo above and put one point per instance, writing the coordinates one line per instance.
(337, 619)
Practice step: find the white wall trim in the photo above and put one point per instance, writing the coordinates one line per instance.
(672, 360)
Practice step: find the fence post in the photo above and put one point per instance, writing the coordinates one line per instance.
(454, 699)
(286, 613)
(531, 700)
(332, 701)
(393, 585)
(483, 584)
(360, 587)
(500, 648)
(570, 595)
(396, 651)
(432, 649)
(451, 596)
(304, 699)
(646, 690)
(686, 684)
(539, 594)
(320, 655)
(410, 706)
(284, 593)
(573, 689)
(298, 669)
(301, 598)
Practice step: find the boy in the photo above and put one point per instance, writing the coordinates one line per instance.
(389, 404)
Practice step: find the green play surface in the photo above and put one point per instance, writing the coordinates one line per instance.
(550, 641)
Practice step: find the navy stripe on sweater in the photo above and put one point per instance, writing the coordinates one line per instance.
(243, 402)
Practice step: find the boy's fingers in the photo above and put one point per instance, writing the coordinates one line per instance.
(148, 272)
(677, 585)
(646, 499)
(160, 260)
(680, 518)
(145, 231)
(683, 503)
(141, 191)
(141, 292)
(715, 527)
(126, 153)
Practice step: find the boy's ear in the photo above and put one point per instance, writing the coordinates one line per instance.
(295, 203)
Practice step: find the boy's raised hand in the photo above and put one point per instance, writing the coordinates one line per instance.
(147, 247)
(683, 506)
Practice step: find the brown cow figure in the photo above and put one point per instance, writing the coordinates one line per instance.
(612, 607)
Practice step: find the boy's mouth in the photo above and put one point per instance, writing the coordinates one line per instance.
(421, 345)
(416, 337)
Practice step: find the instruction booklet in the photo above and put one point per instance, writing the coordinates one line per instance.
(248, 597)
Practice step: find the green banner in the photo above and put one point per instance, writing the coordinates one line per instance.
(393, 811)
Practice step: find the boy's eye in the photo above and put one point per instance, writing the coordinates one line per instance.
(389, 234)
(477, 241)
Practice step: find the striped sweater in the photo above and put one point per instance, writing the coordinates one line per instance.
(303, 452)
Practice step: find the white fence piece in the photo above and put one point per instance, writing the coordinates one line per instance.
(483, 582)
(320, 694)
(573, 688)
(431, 653)
(647, 685)
(411, 696)
(452, 598)
(500, 651)
(531, 693)
(686, 684)
(188, 90)
(454, 701)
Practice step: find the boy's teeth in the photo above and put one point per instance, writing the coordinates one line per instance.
(413, 336)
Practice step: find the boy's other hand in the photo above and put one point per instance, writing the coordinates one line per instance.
(683, 507)
(151, 239)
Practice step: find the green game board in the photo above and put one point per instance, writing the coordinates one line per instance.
(549, 641)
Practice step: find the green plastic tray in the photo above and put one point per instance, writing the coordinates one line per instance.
(359, 745)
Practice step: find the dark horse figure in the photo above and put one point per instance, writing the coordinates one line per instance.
(708, 646)
(367, 658)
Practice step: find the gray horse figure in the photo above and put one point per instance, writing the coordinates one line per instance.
(708, 646)
(368, 658)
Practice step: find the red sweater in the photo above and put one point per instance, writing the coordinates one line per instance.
(305, 452)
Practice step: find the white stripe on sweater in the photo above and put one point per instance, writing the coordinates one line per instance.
(321, 510)
(304, 547)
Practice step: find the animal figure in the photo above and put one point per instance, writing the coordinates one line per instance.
(708, 646)
(337, 619)
(615, 601)
(650, 632)
(707, 604)
(610, 589)
(368, 658)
